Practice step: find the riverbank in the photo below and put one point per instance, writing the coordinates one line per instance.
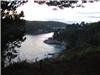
(86, 64)
(76, 61)
(81, 59)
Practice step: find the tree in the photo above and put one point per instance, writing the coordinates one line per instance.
(63, 3)
(12, 30)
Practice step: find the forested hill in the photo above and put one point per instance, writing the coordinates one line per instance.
(43, 26)
(81, 58)
(80, 35)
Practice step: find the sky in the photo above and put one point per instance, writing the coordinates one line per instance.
(36, 12)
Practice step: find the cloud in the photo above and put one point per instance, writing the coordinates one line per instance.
(35, 11)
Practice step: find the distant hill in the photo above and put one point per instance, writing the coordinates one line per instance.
(34, 27)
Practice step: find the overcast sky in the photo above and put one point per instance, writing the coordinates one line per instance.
(34, 11)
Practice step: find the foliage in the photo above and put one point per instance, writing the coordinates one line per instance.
(83, 59)
(63, 3)
(12, 30)
(87, 64)
(82, 35)
(81, 56)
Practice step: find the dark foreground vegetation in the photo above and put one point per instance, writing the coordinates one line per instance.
(12, 30)
(81, 56)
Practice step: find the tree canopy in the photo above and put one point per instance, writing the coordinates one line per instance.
(64, 3)
(12, 30)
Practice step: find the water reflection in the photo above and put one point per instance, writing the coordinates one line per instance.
(34, 48)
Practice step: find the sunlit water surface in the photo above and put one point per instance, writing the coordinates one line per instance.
(34, 48)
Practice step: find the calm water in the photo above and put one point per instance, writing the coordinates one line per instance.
(34, 48)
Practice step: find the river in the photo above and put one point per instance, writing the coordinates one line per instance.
(34, 48)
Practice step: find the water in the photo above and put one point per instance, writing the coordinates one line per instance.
(34, 48)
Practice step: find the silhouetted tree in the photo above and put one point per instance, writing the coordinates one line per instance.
(64, 3)
(12, 30)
